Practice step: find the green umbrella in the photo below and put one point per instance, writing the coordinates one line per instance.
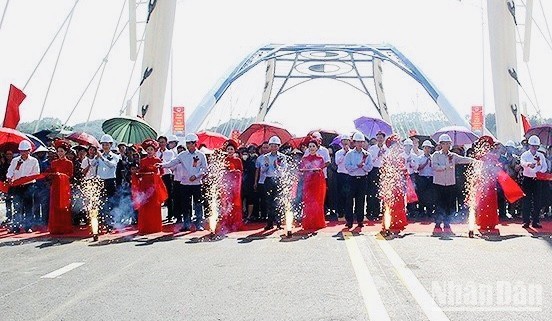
(129, 130)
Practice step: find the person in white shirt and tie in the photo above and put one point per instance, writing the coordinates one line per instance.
(166, 155)
(194, 168)
(20, 167)
(342, 175)
(377, 151)
(424, 181)
(532, 162)
(106, 171)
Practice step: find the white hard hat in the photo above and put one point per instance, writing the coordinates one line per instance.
(345, 136)
(106, 138)
(358, 137)
(427, 143)
(408, 142)
(316, 135)
(510, 143)
(275, 140)
(172, 138)
(445, 138)
(191, 137)
(25, 145)
(534, 140)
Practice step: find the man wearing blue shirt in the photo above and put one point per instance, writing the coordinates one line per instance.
(358, 163)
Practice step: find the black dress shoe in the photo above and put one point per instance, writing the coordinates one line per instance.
(268, 227)
(360, 225)
(349, 225)
(537, 225)
(526, 225)
(278, 226)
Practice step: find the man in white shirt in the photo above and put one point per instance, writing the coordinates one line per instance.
(411, 166)
(342, 175)
(260, 180)
(166, 155)
(194, 168)
(424, 181)
(532, 162)
(106, 170)
(20, 167)
(377, 151)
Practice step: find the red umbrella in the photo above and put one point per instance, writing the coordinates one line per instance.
(10, 139)
(328, 135)
(257, 133)
(83, 138)
(295, 142)
(211, 140)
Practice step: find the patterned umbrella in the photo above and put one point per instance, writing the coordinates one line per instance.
(83, 138)
(130, 130)
(544, 132)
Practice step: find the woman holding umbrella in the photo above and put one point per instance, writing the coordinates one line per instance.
(60, 172)
(148, 190)
(231, 219)
(314, 188)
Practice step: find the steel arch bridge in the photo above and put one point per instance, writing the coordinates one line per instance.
(289, 66)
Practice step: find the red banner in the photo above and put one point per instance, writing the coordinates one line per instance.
(477, 119)
(15, 98)
(178, 121)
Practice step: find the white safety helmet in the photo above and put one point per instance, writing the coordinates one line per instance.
(106, 138)
(359, 137)
(445, 138)
(408, 142)
(345, 136)
(510, 143)
(534, 140)
(25, 145)
(274, 140)
(191, 137)
(427, 143)
(172, 138)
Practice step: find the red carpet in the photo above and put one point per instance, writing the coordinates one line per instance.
(256, 230)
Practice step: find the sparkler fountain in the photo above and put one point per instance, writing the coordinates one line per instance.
(91, 189)
(215, 185)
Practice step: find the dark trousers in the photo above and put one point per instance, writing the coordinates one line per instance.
(109, 191)
(9, 206)
(343, 193)
(41, 208)
(192, 198)
(22, 206)
(501, 201)
(373, 206)
(178, 200)
(168, 180)
(531, 201)
(426, 194)
(446, 198)
(357, 192)
(272, 193)
(262, 201)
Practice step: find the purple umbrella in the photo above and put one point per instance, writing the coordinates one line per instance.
(544, 132)
(460, 135)
(371, 126)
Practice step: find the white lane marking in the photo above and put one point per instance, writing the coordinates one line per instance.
(372, 299)
(63, 270)
(414, 286)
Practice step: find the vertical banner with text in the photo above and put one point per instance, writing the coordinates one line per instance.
(477, 119)
(178, 121)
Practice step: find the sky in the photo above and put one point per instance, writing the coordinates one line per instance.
(441, 37)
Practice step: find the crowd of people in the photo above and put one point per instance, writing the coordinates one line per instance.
(382, 179)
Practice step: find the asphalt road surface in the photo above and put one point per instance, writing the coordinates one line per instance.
(333, 275)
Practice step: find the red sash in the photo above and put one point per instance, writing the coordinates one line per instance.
(511, 189)
(4, 187)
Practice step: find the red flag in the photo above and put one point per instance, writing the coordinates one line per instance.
(15, 98)
(526, 124)
(511, 189)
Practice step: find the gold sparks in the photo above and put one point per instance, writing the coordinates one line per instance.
(391, 179)
(215, 185)
(288, 180)
(91, 189)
